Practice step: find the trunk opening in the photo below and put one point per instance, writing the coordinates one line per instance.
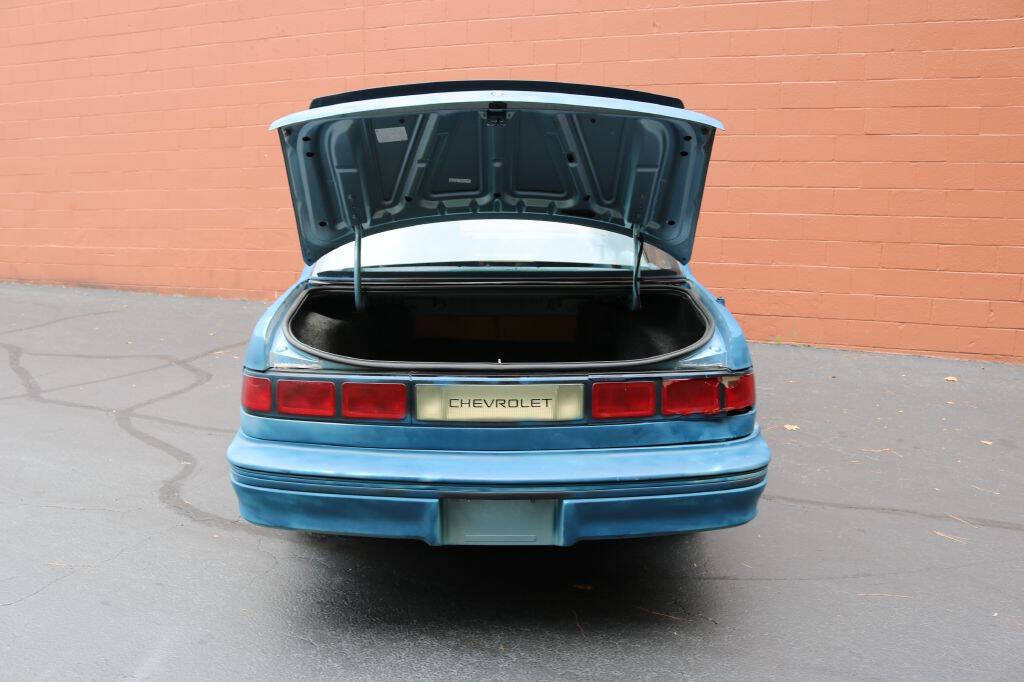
(464, 325)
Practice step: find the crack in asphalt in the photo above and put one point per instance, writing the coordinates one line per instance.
(28, 381)
(74, 568)
(35, 392)
(985, 523)
(849, 576)
(40, 589)
(92, 381)
(66, 507)
(177, 422)
(57, 321)
(170, 490)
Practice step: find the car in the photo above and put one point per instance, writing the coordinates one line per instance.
(497, 338)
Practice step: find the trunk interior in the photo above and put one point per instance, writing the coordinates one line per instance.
(513, 324)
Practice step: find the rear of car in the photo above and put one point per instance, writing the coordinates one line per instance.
(497, 338)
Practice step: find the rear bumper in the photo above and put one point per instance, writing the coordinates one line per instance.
(289, 485)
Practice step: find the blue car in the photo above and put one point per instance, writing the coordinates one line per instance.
(497, 339)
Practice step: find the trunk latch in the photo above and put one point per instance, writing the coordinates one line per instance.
(497, 113)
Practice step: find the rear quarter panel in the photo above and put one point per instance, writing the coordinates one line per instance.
(728, 346)
(267, 332)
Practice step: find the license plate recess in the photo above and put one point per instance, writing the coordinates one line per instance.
(498, 522)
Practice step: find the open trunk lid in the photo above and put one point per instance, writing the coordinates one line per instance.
(374, 160)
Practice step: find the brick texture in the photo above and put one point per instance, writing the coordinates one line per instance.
(868, 190)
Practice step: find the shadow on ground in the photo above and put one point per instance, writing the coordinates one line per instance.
(618, 583)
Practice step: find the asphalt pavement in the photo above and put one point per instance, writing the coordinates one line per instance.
(890, 540)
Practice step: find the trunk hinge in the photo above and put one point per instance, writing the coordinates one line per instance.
(638, 250)
(357, 268)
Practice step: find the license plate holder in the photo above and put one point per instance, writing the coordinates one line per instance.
(498, 522)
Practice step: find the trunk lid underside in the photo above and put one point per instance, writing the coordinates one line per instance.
(630, 163)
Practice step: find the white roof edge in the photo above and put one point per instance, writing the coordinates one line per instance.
(585, 102)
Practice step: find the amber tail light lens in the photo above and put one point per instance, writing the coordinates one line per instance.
(255, 394)
(306, 398)
(739, 392)
(361, 400)
(691, 396)
(618, 399)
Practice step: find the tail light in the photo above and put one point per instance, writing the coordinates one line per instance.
(255, 393)
(739, 392)
(691, 396)
(609, 399)
(307, 398)
(616, 399)
(373, 401)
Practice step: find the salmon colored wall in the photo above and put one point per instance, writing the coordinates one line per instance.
(867, 191)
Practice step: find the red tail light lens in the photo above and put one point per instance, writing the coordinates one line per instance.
(373, 401)
(616, 399)
(691, 396)
(308, 398)
(739, 392)
(256, 394)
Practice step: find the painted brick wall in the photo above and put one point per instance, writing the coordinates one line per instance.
(868, 190)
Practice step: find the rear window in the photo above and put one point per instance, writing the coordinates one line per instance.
(496, 243)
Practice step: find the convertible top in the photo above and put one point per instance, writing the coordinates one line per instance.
(528, 86)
